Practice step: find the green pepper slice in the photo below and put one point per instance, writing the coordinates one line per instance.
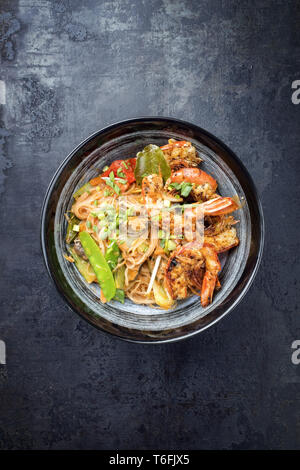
(151, 161)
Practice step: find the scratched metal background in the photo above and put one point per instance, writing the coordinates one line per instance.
(71, 67)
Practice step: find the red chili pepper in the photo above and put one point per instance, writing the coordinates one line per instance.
(128, 172)
(132, 163)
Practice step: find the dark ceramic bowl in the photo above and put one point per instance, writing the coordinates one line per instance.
(140, 323)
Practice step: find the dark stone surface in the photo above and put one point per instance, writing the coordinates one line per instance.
(72, 67)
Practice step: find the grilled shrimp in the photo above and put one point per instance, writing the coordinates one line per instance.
(193, 267)
(224, 241)
(220, 233)
(153, 190)
(217, 224)
(219, 206)
(204, 185)
(213, 267)
(152, 187)
(193, 175)
(180, 154)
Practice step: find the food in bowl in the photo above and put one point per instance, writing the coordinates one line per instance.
(151, 228)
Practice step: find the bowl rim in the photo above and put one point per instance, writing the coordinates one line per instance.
(218, 141)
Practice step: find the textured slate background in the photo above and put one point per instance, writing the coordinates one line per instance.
(71, 67)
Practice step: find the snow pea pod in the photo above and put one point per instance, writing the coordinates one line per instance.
(83, 267)
(112, 254)
(99, 265)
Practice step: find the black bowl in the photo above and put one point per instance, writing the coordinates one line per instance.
(129, 321)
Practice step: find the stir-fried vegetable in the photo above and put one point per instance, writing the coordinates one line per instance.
(151, 161)
(83, 266)
(118, 176)
(162, 298)
(120, 296)
(99, 265)
(122, 169)
(120, 277)
(72, 223)
(85, 188)
(112, 256)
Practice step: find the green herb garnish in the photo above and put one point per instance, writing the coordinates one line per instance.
(184, 188)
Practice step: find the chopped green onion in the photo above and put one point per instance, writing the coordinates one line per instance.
(95, 202)
(120, 173)
(95, 228)
(171, 245)
(117, 189)
(186, 188)
(130, 211)
(112, 176)
(125, 165)
(109, 182)
(175, 186)
(105, 168)
(88, 224)
(106, 193)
